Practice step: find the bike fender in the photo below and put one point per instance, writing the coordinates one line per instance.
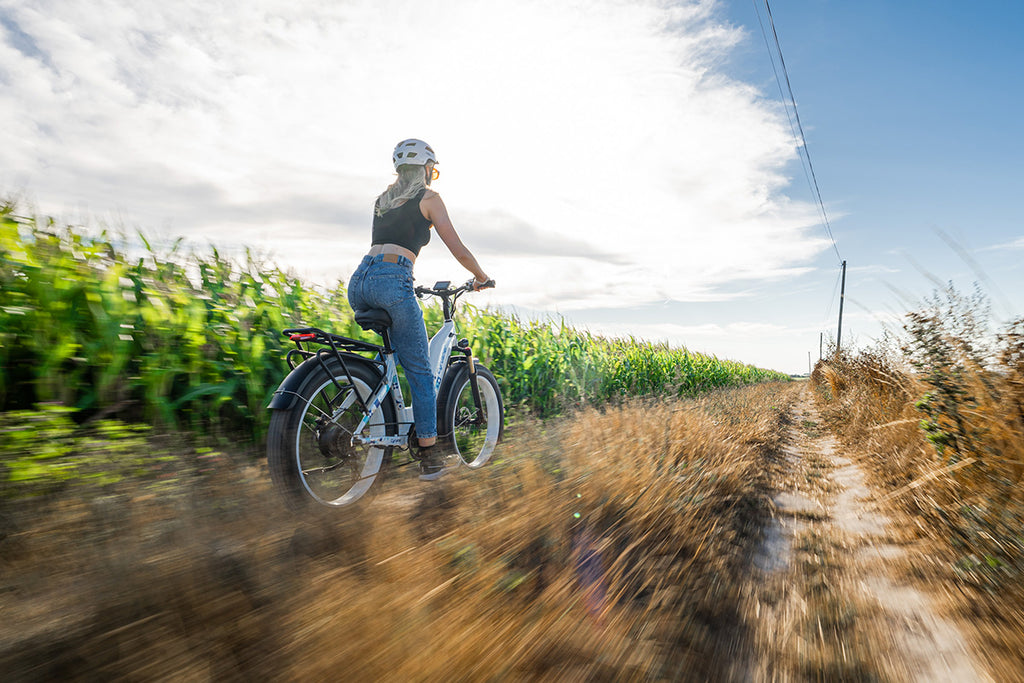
(287, 393)
(455, 366)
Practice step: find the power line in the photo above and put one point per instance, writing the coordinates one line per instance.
(808, 167)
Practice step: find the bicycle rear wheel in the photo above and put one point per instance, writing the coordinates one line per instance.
(309, 447)
(475, 432)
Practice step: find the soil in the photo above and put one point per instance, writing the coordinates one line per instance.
(830, 600)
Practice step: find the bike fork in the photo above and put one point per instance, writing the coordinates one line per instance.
(474, 389)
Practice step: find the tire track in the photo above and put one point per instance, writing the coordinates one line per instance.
(824, 594)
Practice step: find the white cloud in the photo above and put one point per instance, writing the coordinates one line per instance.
(601, 135)
(874, 269)
(1015, 244)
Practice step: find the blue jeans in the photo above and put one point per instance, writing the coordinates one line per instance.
(378, 284)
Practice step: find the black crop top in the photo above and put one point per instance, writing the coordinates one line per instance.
(404, 225)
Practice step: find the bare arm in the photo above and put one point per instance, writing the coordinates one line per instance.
(433, 208)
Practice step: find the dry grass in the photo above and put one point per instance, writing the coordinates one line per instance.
(612, 546)
(941, 430)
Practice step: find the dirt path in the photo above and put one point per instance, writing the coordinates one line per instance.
(825, 597)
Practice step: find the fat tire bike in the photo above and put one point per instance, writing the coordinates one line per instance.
(339, 415)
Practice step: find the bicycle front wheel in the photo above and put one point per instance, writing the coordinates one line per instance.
(310, 451)
(475, 429)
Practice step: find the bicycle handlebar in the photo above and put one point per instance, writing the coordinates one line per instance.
(448, 291)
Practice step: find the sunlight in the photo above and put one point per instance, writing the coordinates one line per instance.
(607, 141)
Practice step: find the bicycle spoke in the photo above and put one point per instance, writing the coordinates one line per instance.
(333, 417)
(321, 470)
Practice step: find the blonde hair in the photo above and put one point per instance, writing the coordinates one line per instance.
(411, 179)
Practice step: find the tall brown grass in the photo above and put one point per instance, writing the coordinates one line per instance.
(608, 546)
(939, 416)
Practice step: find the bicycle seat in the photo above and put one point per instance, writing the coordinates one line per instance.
(375, 319)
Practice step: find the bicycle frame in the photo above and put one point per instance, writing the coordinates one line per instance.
(439, 352)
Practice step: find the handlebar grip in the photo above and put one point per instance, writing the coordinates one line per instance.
(487, 285)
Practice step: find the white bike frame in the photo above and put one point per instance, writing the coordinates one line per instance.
(439, 351)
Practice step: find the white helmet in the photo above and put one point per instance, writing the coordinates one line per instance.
(414, 152)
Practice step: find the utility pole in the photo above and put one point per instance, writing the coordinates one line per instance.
(809, 370)
(842, 298)
(821, 345)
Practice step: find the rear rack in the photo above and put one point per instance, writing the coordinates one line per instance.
(313, 335)
(337, 347)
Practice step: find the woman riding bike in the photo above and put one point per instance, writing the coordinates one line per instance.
(402, 217)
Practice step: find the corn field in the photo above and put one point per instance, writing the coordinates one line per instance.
(192, 341)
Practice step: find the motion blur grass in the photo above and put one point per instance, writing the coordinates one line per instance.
(609, 546)
(180, 341)
(603, 544)
(193, 340)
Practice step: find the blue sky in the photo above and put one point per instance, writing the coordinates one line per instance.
(913, 107)
(911, 113)
(627, 165)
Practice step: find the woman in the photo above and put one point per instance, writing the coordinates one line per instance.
(402, 217)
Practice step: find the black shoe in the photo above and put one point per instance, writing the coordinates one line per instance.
(433, 463)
